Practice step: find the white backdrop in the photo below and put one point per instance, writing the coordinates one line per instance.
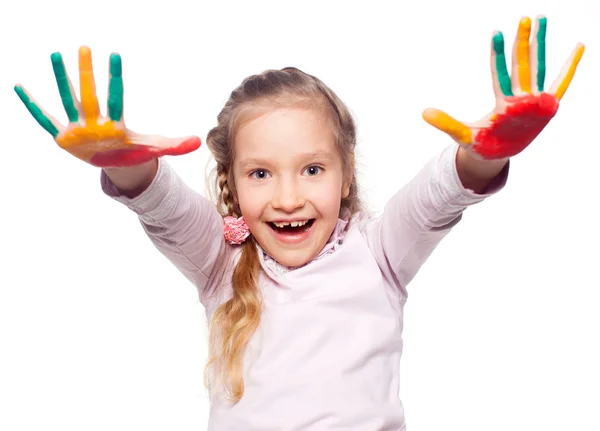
(99, 332)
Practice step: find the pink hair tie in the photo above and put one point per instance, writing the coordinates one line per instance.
(235, 230)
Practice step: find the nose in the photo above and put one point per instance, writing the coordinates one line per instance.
(288, 196)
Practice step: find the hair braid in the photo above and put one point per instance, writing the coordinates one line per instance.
(226, 197)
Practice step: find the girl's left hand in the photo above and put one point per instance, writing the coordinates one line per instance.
(523, 108)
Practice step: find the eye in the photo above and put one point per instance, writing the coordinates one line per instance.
(259, 174)
(313, 170)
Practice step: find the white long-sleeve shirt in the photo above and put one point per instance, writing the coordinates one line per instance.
(327, 354)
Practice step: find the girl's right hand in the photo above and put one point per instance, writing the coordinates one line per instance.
(101, 141)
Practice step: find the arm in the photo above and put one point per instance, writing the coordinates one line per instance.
(132, 181)
(477, 174)
(424, 211)
(185, 227)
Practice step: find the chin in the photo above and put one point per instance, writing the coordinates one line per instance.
(294, 259)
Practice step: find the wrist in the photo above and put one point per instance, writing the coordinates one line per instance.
(131, 181)
(470, 162)
(476, 173)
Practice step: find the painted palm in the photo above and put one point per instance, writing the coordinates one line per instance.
(522, 108)
(100, 141)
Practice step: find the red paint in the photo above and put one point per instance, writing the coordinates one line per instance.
(141, 153)
(512, 131)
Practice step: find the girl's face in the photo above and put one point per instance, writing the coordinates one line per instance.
(289, 178)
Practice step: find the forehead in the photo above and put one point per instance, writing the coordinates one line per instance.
(284, 133)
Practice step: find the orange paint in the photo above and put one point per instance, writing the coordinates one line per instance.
(562, 88)
(87, 86)
(445, 123)
(522, 51)
(84, 142)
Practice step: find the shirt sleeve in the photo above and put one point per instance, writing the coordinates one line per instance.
(185, 227)
(420, 215)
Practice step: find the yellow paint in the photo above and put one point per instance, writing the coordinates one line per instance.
(89, 100)
(562, 88)
(523, 54)
(445, 123)
(84, 142)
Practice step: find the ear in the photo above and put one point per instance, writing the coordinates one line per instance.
(345, 189)
(348, 178)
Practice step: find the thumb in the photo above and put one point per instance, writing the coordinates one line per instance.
(449, 125)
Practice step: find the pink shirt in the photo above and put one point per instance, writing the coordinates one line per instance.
(327, 353)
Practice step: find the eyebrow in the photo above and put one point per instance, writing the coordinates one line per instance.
(304, 156)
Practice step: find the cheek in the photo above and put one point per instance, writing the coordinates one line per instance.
(327, 197)
(251, 201)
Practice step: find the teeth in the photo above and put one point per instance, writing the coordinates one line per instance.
(292, 224)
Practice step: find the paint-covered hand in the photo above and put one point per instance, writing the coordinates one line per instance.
(523, 108)
(101, 141)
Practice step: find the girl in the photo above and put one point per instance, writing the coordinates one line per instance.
(304, 291)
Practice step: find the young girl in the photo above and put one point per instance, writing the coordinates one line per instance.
(303, 289)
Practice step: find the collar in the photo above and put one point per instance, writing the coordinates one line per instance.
(334, 242)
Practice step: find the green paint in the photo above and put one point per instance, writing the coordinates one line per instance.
(115, 88)
(541, 54)
(503, 76)
(63, 87)
(36, 112)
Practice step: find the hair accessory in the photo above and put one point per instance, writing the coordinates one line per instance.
(235, 230)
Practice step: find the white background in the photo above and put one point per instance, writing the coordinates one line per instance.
(99, 332)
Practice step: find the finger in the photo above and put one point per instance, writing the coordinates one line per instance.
(560, 85)
(49, 123)
(65, 88)
(115, 88)
(537, 55)
(87, 85)
(521, 79)
(445, 123)
(500, 77)
(142, 152)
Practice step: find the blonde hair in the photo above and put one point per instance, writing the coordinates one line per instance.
(234, 323)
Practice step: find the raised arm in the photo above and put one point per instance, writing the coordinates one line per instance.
(181, 223)
(422, 213)
(184, 226)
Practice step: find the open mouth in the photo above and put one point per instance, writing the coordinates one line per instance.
(291, 228)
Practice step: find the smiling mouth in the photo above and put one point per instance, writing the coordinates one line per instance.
(290, 228)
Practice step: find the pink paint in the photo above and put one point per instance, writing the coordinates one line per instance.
(140, 153)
